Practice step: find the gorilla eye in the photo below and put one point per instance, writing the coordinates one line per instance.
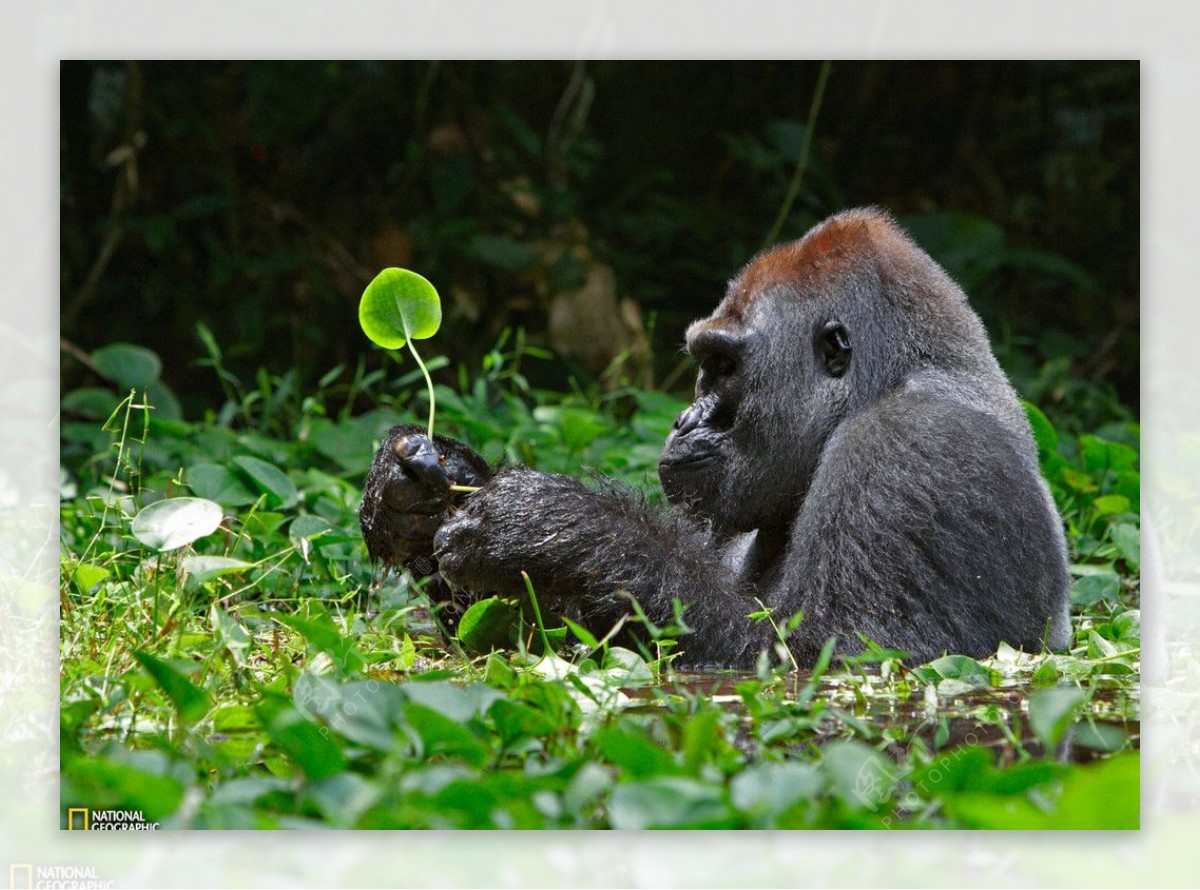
(833, 345)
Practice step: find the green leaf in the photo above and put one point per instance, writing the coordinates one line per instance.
(626, 667)
(985, 810)
(1098, 736)
(230, 634)
(486, 625)
(1051, 712)
(328, 639)
(108, 784)
(441, 735)
(1082, 482)
(270, 479)
(347, 443)
(176, 522)
(344, 797)
(703, 741)
(772, 788)
(499, 675)
(669, 802)
(363, 711)
(1052, 265)
(316, 531)
(582, 634)
(1043, 431)
(164, 401)
(260, 523)
(859, 775)
(1129, 484)
(1110, 504)
(1098, 647)
(88, 576)
(459, 703)
(1127, 628)
(635, 753)
(960, 668)
(1128, 539)
(959, 769)
(398, 305)
(128, 366)
(1022, 777)
(1099, 455)
(1046, 674)
(578, 427)
(71, 720)
(220, 484)
(190, 701)
(517, 721)
(305, 743)
(200, 569)
(92, 402)
(1093, 588)
(1104, 795)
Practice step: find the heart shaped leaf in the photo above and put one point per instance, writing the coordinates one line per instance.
(399, 305)
(486, 625)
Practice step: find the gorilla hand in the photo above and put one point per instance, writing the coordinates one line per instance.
(521, 520)
(407, 495)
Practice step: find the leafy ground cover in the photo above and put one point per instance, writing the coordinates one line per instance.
(228, 660)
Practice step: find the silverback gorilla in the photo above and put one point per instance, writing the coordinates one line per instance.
(853, 451)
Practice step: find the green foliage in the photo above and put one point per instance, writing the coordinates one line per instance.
(1096, 485)
(224, 643)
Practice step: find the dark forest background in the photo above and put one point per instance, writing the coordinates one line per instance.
(599, 207)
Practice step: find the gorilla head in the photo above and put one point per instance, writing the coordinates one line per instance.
(809, 333)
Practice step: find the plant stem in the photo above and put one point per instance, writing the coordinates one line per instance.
(537, 614)
(802, 161)
(428, 383)
(466, 488)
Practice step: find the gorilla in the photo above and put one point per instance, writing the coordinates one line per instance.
(853, 452)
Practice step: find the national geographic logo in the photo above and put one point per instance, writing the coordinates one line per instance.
(83, 819)
(26, 876)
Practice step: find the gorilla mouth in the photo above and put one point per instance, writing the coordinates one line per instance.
(689, 462)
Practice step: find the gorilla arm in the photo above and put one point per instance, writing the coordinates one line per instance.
(588, 547)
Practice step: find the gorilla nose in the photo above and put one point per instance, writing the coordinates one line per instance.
(688, 420)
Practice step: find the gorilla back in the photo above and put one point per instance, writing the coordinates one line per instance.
(853, 452)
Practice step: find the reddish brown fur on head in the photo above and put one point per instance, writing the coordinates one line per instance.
(826, 254)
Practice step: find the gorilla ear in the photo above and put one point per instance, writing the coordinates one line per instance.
(833, 345)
